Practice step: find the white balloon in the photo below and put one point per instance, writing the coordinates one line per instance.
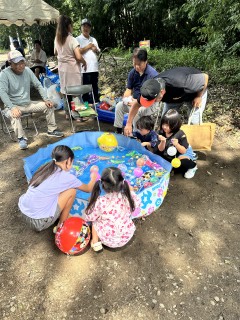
(171, 151)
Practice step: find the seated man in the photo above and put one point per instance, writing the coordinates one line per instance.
(174, 87)
(141, 72)
(15, 84)
(38, 58)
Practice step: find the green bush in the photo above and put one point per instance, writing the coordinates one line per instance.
(221, 70)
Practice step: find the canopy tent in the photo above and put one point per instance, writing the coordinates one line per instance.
(21, 12)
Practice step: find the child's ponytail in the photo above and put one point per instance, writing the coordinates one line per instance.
(43, 173)
(111, 181)
(94, 195)
(59, 154)
(126, 191)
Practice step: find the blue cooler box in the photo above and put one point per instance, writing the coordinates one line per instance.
(108, 116)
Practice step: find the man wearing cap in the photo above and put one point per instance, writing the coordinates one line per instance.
(175, 87)
(15, 82)
(89, 49)
(137, 76)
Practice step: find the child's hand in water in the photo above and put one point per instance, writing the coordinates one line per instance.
(161, 138)
(174, 142)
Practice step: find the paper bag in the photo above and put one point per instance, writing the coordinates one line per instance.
(200, 136)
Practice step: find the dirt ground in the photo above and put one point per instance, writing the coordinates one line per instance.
(183, 263)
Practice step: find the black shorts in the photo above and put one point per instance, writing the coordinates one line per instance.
(42, 69)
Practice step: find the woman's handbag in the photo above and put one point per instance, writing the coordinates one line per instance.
(200, 136)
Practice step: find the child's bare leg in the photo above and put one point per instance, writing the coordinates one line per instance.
(65, 202)
(94, 235)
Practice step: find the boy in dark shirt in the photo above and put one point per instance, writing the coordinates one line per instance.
(145, 133)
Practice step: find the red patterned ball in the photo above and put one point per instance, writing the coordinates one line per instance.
(73, 236)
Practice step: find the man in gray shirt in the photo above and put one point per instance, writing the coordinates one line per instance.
(15, 82)
(174, 87)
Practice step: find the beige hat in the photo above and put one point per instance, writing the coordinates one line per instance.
(15, 56)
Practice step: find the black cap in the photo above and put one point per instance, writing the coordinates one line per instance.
(86, 21)
(149, 92)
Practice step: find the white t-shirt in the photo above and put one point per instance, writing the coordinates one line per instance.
(40, 56)
(90, 56)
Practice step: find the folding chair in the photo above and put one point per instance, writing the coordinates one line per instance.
(6, 128)
(79, 91)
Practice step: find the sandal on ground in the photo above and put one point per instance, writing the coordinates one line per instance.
(97, 247)
(55, 229)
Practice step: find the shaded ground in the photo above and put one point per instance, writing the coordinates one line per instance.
(183, 263)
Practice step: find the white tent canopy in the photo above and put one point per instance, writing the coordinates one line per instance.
(21, 12)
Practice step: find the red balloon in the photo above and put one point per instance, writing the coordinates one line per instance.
(73, 235)
(104, 106)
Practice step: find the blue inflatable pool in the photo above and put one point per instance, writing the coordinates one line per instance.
(151, 187)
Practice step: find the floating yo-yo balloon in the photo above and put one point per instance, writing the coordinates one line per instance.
(94, 168)
(171, 151)
(176, 163)
(140, 162)
(138, 172)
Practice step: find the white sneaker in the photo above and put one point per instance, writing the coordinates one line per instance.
(190, 173)
(22, 143)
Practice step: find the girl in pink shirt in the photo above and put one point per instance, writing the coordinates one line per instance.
(111, 213)
(67, 49)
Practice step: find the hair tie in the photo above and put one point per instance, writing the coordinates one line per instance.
(53, 159)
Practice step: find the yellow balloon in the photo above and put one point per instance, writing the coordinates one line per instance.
(176, 163)
(107, 142)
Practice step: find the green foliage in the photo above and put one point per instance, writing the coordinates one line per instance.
(166, 59)
(225, 71)
(217, 24)
(213, 26)
(228, 71)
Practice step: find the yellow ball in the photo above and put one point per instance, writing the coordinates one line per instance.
(107, 142)
(176, 163)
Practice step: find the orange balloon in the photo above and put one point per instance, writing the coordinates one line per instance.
(140, 162)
